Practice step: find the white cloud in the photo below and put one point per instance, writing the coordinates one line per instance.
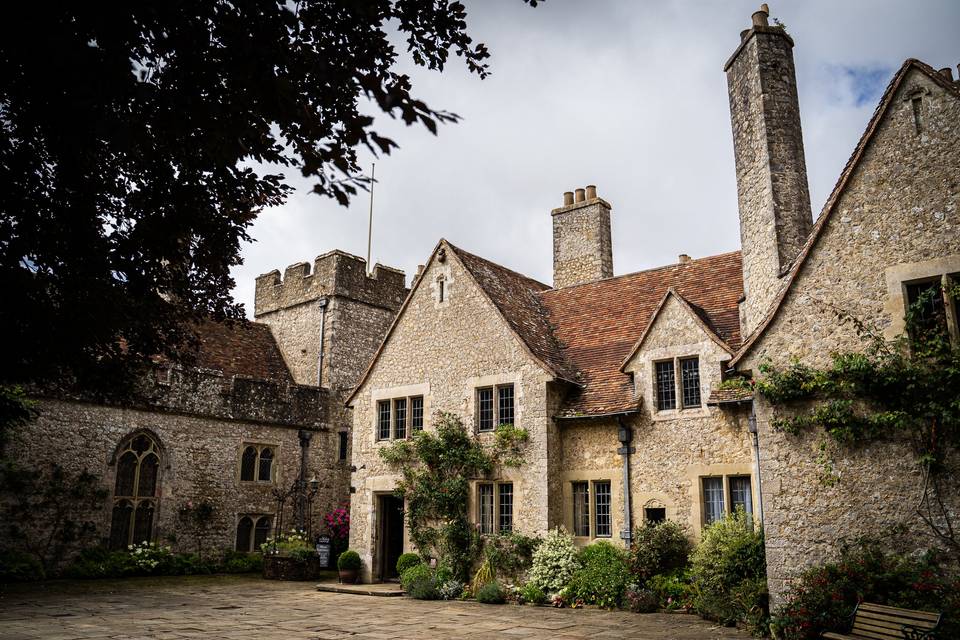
(626, 95)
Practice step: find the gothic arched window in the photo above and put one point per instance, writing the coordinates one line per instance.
(256, 463)
(135, 491)
(244, 531)
(261, 533)
(249, 535)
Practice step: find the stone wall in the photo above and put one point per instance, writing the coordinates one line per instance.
(676, 448)
(444, 351)
(200, 462)
(897, 214)
(582, 249)
(772, 192)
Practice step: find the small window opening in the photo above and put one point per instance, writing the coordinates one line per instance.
(440, 289)
(917, 104)
(342, 449)
(654, 515)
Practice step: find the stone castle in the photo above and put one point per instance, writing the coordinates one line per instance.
(616, 378)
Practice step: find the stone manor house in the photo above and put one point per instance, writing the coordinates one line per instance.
(616, 378)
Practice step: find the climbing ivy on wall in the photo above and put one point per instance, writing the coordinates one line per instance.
(436, 470)
(904, 389)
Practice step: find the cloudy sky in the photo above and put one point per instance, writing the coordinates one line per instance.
(624, 94)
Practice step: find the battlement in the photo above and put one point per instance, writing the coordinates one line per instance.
(335, 273)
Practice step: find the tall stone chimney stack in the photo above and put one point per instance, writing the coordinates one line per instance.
(772, 192)
(582, 250)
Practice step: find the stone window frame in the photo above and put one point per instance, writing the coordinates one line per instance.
(394, 404)
(343, 446)
(592, 504)
(897, 278)
(259, 445)
(255, 519)
(726, 494)
(496, 390)
(496, 515)
(678, 398)
(136, 501)
(391, 395)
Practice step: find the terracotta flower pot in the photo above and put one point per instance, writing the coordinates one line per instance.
(348, 576)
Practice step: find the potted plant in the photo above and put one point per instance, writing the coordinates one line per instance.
(348, 566)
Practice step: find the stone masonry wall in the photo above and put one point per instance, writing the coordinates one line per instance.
(582, 249)
(772, 192)
(444, 351)
(200, 462)
(676, 448)
(897, 215)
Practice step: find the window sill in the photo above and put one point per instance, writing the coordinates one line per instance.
(675, 414)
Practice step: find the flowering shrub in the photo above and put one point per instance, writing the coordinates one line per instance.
(602, 576)
(451, 589)
(554, 561)
(147, 557)
(338, 523)
(640, 599)
(284, 543)
(672, 589)
(823, 598)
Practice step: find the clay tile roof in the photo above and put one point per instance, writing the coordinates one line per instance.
(599, 323)
(729, 396)
(838, 189)
(240, 349)
(518, 299)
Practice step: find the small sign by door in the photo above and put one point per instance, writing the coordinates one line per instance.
(323, 551)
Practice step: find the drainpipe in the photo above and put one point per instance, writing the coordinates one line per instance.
(752, 428)
(301, 496)
(625, 435)
(323, 317)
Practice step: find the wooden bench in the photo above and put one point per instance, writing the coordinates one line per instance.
(879, 622)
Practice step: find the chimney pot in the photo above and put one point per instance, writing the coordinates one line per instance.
(684, 258)
(591, 191)
(947, 73)
(567, 198)
(760, 17)
(580, 197)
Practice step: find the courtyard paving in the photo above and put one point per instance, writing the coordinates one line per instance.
(249, 607)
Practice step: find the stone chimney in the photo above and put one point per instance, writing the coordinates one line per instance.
(582, 249)
(772, 192)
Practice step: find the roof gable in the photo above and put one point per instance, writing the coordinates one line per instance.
(831, 204)
(698, 317)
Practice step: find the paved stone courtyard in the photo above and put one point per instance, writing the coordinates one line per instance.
(248, 607)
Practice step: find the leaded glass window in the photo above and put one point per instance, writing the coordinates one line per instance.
(690, 381)
(485, 411)
(416, 414)
(400, 418)
(266, 465)
(581, 509)
(383, 420)
(261, 532)
(666, 386)
(485, 507)
(248, 464)
(741, 493)
(505, 404)
(712, 499)
(601, 501)
(135, 491)
(256, 463)
(505, 507)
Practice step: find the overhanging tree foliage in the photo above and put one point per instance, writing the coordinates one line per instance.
(908, 388)
(128, 137)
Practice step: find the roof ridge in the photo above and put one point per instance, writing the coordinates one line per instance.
(830, 205)
(649, 270)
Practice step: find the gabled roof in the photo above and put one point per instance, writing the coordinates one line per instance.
(830, 206)
(600, 323)
(517, 297)
(701, 318)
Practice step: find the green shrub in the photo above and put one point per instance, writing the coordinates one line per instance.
(349, 560)
(304, 554)
(99, 562)
(16, 566)
(728, 568)
(530, 593)
(420, 583)
(658, 548)
(641, 600)
(407, 560)
(823, 597)
(554, 561)
(239, 562)
(510, 554)
(451, 589)
(672, 589)
(490, 593)
(602, 577)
